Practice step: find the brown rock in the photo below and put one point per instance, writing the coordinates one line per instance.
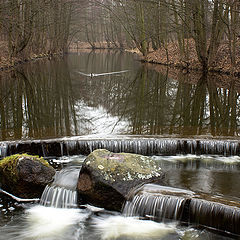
(106, 178)
(25, 176)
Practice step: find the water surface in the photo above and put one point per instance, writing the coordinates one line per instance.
(35, 221)
(48, 99)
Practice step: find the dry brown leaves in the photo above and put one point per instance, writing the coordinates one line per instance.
(171, 56)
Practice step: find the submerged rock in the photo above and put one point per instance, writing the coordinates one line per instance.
(106, 178)
(24, 175)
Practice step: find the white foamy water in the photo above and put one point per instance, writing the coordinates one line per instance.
(52, 223)
(46, 223)
(114, 227)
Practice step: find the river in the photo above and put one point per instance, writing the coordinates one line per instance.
(51, 99)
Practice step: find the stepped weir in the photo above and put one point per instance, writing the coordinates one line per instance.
(162, 204)
(158, 203)
(132, 144)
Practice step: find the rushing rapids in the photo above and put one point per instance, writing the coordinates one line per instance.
(160, 203)
(145, 146)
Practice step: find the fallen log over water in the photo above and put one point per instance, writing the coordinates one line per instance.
(133, 144)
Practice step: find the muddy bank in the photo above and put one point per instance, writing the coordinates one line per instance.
(8, 63)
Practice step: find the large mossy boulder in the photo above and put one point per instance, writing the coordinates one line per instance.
(106, 178)
(24, 175)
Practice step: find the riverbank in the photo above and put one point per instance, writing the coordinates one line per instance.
(7, 63)
(165, 56)
(170, 56)
(75, 46)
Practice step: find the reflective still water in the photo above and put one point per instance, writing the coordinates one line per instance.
(46, 221)
(48, 99)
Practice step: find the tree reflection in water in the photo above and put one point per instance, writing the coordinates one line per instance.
(161, 105)
(47, 99)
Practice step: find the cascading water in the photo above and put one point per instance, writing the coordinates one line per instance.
(57, 220)
(158, 203)
(144, 146)
(162, 203)
(62, 192)
(59, 197)
(3, 149)
(157, 208)
(57, 217)
(218, 215)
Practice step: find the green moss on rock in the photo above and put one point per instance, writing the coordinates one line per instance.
(8, 165)
(128, 166)
(25, 175)
(14, 158)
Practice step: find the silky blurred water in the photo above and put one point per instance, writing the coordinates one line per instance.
(34, 221)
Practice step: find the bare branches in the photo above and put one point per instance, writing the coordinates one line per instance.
(36, 26)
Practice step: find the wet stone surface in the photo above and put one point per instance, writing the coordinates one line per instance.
(123, 166)
(24, 175)
(106, 178)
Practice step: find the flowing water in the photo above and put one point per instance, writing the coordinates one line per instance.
(145, 145)
(62, 192)
(57, 217)
(164, 204)
(190, 123)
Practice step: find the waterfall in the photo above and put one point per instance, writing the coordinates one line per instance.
(59, 197)
(222, 216)
(141, 145)
(161, 203)
(62, 192)
(3, 149)
(158, 208)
